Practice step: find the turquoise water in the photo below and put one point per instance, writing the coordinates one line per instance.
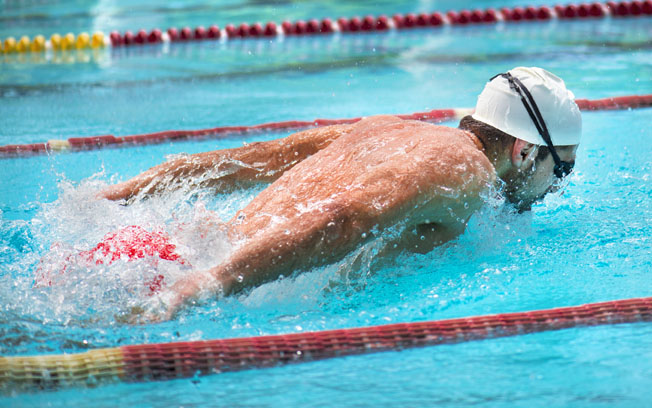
(590, 244)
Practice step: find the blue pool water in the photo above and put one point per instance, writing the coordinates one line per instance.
(590, 244)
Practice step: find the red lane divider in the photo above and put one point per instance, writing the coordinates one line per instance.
(186, 359)
(383, 23)
(327, 26)
(437, 115)
(146, 362)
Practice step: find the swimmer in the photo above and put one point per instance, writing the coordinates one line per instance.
(332, 188)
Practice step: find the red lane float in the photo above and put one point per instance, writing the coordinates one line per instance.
(397, 22)
(148, 362)
(366, 24)
(186, 359)
(437, 115)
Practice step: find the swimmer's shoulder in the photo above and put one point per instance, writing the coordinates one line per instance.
(455, 157)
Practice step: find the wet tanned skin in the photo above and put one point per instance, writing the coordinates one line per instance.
(382, 171)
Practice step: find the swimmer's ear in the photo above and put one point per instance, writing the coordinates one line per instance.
(522, 153)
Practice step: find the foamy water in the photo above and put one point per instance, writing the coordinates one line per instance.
(51, 281)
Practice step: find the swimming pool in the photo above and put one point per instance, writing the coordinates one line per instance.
(590, 244)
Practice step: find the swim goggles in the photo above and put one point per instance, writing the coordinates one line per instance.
(562, 168)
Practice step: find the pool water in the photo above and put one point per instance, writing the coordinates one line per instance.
(592, 243)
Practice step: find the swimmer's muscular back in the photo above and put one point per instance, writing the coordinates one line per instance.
(382, 171)
(378, 172)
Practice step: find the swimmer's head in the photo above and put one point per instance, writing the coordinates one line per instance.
(530, 126)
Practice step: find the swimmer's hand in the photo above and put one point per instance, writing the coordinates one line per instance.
(123, 191)
(171, 300)
(153, 181)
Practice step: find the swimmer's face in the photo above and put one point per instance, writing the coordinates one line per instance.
(530, 183)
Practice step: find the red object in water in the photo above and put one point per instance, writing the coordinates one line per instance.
(141, 37)
(134, 242)
(173, 33)
(116, 39)
(300, 27)
(213, 31)
(368, 23)
(326, 26)
(382, 23)
(343, 23)
(200, 33)
(313, 26)
(544, 13)
(595, 10)
(270, 29)
(571, 11)
(476, 16)
(410, 20)
(490, 16)
(287, 28)
(399, 21)
(464, 17)
(530, 13)
(243, 30)
(646, 7)
(144, 362)
(154, 36)
(423, 20)
(256, 30)
(452, 16)
(518, 14)
(186, 33)
(127, 244)
(436, 19)
(230, 31)
(128, 38)
(355, 24)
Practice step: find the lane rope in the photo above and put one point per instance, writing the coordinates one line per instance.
(435, 116)
(150, 362)
(569, 12)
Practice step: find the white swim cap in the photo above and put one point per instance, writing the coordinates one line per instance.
(501, 107)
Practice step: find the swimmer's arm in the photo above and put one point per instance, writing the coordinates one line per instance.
(262, 259)
(255, 162)
(268, 255)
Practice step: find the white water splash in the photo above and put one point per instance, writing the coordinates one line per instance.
(77, 290)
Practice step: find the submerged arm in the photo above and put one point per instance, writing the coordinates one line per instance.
(255, 162)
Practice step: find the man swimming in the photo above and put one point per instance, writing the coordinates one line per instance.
(333, 188)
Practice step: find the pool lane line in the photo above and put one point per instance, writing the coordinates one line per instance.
(165, 361)
(352, 25)
(74, 144)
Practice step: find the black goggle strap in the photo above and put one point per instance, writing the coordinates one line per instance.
(562, 168)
